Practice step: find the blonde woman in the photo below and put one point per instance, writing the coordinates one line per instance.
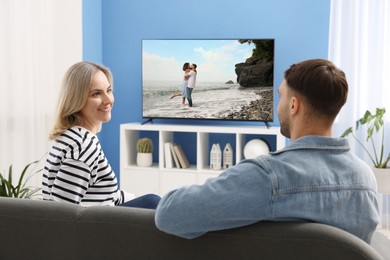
(76, 170)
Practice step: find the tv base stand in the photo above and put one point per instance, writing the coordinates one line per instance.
(149, 120)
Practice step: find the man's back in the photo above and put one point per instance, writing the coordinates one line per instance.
(316, 179)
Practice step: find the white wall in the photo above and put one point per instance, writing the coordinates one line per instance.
(39, 40)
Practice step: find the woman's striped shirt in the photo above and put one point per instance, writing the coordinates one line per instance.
(77, 171)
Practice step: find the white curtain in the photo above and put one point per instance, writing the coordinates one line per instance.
(359, 43)
(39, 40)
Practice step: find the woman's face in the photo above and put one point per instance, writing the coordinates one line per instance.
(99, 103)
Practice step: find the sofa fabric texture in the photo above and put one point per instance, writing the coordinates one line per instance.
(35, 229)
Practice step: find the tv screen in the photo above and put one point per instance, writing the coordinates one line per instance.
(219, 79)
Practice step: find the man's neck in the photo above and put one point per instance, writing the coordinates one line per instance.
(312, 128)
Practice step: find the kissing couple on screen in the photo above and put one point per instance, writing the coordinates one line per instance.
(189, 82)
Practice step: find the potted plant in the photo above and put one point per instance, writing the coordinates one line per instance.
(7, 189)
(144, 155)
(375, 125)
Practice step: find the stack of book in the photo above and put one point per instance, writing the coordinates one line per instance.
(174, 156)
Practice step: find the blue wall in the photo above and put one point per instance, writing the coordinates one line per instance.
(300, 29)
(92, 31)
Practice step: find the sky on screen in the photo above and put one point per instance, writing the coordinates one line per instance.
(162, 60)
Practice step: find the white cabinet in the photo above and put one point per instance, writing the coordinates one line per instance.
(171, 179)
(196, 142)
(140, 181)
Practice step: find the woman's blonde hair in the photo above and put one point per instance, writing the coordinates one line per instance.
(74, 92)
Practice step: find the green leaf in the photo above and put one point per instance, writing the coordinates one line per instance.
(3, 188)
(374, 124)
(347, 132)
(8, 183)
(381, 122)
(380, 111)
(18, 187)
(32, 192)
(377, 125)
(369, 133)
(20, 191)
(366, 118)
(10, 174)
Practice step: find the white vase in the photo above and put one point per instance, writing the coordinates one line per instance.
(144, 159)
(382, 177)
(254, 148)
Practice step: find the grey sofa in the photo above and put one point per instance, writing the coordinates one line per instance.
(34, 229)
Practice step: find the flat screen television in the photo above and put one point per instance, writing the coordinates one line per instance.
(234, 79)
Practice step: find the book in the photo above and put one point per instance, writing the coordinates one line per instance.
(168, 155)
(175, 159)
(181, 156)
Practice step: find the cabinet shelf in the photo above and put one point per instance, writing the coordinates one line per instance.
(196, 142)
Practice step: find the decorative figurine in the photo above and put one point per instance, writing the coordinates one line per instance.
(215, 157)
(227, 156)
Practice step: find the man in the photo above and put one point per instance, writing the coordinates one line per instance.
(191, 77)
(314, 179)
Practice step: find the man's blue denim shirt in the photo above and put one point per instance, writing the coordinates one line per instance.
(315, 179)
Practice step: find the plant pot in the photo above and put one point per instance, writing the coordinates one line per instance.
(144, 159)
(382, 177)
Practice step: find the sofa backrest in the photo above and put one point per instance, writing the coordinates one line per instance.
(34, 229)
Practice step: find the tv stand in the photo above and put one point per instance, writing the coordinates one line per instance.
(147, 121)
(195, 140)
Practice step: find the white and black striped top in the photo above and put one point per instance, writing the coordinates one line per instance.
(77, 171)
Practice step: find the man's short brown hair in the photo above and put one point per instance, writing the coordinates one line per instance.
(321, 83)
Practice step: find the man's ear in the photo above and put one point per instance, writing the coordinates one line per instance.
(294, 105)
